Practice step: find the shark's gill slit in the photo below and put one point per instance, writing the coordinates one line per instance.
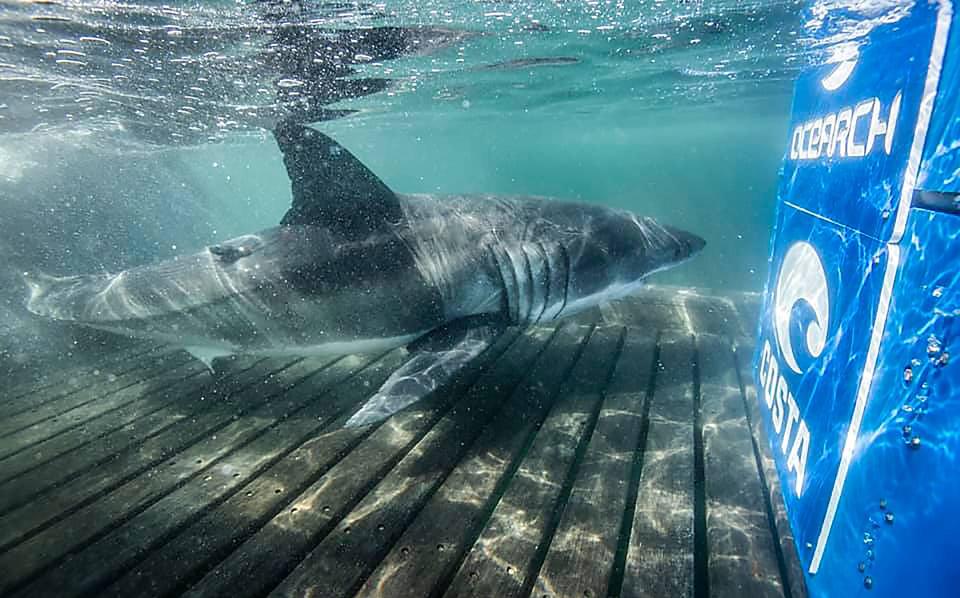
(566, 278)
(531, 289)
(547, 281)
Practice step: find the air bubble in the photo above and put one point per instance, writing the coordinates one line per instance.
(868, 582)
(907, 375)
(915, 442)
(861, 566)
(888, 517)
(934, 347)
(938, 292)
(868, 538)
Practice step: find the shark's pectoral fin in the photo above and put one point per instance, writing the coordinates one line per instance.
(436, 358)
(207, 354)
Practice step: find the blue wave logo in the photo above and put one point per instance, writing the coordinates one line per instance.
(801, 286)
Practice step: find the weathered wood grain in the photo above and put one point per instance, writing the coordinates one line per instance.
(581, 556)
(213, 536)
(36, 424)
(742, 558)
(88, 521)
(455, 514)
(661, 550)
(269, 555)
(51, 384)
(107, 558)
(790, 560)
(111, 432)
(581, 461)
(337, 566)
(504, 559)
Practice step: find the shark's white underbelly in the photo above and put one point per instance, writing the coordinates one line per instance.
(207, 346)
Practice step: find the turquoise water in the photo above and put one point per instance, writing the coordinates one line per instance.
(131, 132)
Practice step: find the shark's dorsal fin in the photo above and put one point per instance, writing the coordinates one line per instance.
(331, 187)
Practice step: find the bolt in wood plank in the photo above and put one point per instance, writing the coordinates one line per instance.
(68, 454)
(338, 565)
(579, 561)
(46, 420)
(217, 437)
(454, 515)
(106, 559)
(742, 559)
(210, 539)
(505, 558)
(743, 353)
(660, 553)
(265, 558)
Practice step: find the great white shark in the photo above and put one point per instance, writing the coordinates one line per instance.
(354, 268)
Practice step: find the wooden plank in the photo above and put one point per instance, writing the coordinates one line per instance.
(65, 519)
(660, 556)
(580, 559)
(748, 310)
(711, 314)
(56, 382)
(303, 418)
(339, 564)
(506, 557)
(790, 566)
(659, 311)
(65, 455)
(265, 558)
(742, 559)
(454, 515)
(28, 426)
(212, 537)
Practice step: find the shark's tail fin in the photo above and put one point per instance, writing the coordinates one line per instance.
(46, 292)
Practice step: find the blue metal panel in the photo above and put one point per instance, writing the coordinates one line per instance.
(853, 125)
(858, 318)
(829, 277)
(897, 518)
(940, 170)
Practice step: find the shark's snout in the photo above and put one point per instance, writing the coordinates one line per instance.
(688, 244)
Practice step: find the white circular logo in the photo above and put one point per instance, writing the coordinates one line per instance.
(801, 278)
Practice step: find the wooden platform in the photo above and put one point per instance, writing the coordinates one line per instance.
(610, 455)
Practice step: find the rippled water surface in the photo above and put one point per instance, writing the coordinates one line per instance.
(190, 72)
